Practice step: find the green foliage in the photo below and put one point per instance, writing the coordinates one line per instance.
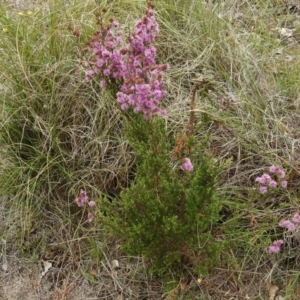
(166, 214)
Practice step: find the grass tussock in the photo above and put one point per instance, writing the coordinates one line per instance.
(60, 133)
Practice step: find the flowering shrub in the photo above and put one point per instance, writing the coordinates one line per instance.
(168, 212)
(266, 181)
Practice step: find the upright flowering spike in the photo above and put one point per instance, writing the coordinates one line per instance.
(133, 65)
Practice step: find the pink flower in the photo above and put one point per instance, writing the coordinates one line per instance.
(278, 243)
(106, 72)
(89, 75)
(141, 79)
(287, 224)
(272, 184)
(79, 202)
(281, 173)
(262, 189)
(273, 169)
(266, 178)
(259, 180)
(275, 248)
(92, 203)
(124, 106)
(296, 219)
(283, 183)
(115, 24)
(90, 217)
(187, 165)
(277, 170)
(83, 195)
(82, 199)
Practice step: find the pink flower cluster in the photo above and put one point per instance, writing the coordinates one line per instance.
(266, 180)
(275, 247)
(290, 225)
(187, 165)
(132, 65)
(82, 200)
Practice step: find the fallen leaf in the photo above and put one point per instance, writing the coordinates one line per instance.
(284, 127)
(94, 272)
(115, 264)
(4, 267)
(47, 265)
(272, 291)
(286, 32)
